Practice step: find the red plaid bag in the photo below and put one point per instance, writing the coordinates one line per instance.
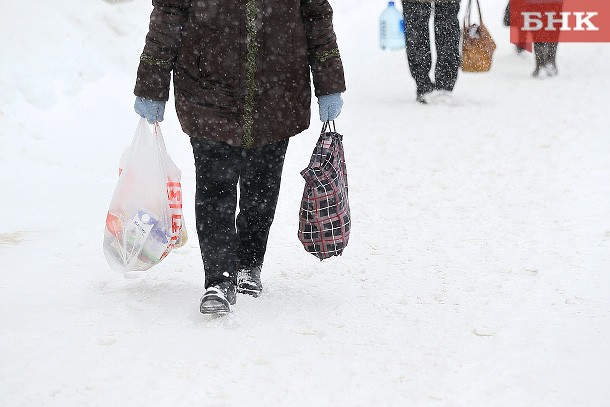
(324, 217)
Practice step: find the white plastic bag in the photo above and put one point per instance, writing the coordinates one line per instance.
(144, 221)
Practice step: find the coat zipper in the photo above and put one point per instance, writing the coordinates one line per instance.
(252, 51)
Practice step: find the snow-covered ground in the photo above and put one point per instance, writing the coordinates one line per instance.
(477, 272)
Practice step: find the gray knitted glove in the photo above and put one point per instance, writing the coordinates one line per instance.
(330, 106)
(151, 110)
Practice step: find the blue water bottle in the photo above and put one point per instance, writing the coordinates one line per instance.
(391, 29)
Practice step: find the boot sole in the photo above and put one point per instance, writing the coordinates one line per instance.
(215, 307)
(249, 291)
(214, 310)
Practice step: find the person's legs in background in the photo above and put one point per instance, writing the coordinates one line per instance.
(543, 51)
(552, 43)
(551, 65)
(419, 55)
(447, 38)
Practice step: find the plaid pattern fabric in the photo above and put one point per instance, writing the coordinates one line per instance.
(324, 217)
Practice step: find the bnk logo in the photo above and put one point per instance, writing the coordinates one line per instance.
(560, 21)
(535, 21)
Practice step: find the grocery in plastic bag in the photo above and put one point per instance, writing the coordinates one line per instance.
(144, 222)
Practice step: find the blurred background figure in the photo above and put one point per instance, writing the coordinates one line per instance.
(545, 42)
(521, 44)
(546, 58)
(417, 15)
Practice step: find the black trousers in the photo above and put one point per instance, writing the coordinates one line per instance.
(447, 38)
(545, 53)
(228, 243)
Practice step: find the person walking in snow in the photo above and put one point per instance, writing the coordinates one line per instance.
(522, 43)
(447, 37)
(241, 74)
(545, 44)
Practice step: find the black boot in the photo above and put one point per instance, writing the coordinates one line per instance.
(551, 64)
(540, 55)
(422, 98)
(218, 299)
(249, 281)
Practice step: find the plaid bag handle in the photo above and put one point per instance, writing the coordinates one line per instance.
(327, 126)
(317, 160)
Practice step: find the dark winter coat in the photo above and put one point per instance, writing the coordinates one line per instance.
(241, 67)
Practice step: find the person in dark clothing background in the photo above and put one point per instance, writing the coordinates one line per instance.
(546, 58)
(521, 44)
(417, 15)
(241, 72)
(545, 45)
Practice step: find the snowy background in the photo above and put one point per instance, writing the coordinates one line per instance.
(478, 267)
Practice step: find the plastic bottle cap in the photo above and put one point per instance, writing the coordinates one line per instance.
(145, 218)
(391, 4)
